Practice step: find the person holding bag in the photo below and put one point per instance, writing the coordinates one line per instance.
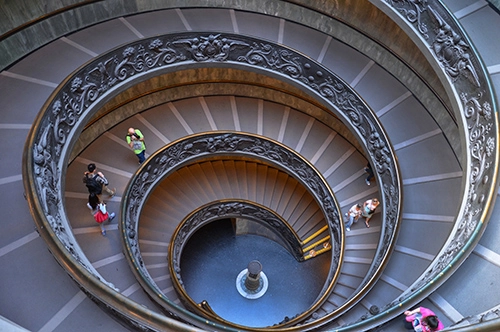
(135, 139)
(369, 208)
(96, 182)
(99, 211)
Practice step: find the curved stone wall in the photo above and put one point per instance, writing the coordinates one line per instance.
(476, 107)
(357, 24)
(183, 84)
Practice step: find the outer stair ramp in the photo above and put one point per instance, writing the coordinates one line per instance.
(421, 208)
(183, 192)
(195, 192)
(293, 139)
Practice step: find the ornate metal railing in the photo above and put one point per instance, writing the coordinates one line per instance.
(196, 148)
(224, 209)
(437, 30)
(485, 321)
(78, 97)
(476, 206)
(455, 54)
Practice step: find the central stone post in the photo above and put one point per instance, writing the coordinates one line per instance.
(252, 282)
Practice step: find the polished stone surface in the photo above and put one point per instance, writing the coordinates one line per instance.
(214, 257)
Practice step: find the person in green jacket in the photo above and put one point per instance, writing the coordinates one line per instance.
(135, 139)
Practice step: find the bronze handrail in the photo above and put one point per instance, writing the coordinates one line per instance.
(196, 148)
(83, 89)
(227, 208)
(490, 179)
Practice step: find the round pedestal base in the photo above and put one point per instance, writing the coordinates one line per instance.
(251, 294)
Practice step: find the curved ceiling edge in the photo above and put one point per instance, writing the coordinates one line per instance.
(171, 90)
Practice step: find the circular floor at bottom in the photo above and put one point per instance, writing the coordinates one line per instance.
(213, 258)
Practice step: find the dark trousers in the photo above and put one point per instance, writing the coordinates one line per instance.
(369, 171)
(408, 325)
(141, 156)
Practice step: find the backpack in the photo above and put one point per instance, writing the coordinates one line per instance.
(92, 185)
(136, 145)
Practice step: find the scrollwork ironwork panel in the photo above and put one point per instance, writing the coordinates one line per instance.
(456, 55)
(230, 209)
(64, 116)
(197, 147)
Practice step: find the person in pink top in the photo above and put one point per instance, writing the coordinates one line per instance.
(422, 319)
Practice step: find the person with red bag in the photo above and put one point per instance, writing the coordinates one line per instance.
(99, 211)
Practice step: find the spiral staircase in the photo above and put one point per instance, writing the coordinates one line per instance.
(327, 88)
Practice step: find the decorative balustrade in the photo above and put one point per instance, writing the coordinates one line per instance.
(224, 209)
(75, 101)
(455, 54)
(54, 133)
(439, 32)
(196, 148)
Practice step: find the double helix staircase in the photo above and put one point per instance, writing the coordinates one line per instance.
(425, 141)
